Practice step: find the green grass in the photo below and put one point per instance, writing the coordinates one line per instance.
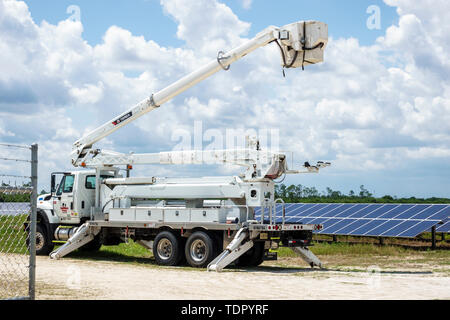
(360, 249)
(130, 252)
(12, 234)
(357, 249)
(130, 249)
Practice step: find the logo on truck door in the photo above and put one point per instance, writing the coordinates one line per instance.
(122, 118)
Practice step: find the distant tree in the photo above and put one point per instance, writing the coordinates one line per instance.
(280, 191)
(330, 193)
(310, 192)
(364, 193)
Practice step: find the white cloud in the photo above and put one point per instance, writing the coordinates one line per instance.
(367, 108)
(246, 4)
(206, 26)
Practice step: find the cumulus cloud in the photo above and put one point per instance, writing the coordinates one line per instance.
(246, 4)
(206, 25)
(367, 108)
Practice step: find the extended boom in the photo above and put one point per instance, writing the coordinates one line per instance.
(300, 43)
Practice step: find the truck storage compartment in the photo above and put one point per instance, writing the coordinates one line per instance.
(176, 215)
(149, 215)
(118, 214)
(208, 215)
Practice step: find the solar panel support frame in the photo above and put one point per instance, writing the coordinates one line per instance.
(433, 237)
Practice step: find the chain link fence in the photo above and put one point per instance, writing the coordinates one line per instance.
(18, 194)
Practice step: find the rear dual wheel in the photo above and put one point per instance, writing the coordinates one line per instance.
(167, 249)
(200, 249)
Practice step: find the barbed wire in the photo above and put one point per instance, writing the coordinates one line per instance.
(18, 160)
(15, 146)
(14, 176)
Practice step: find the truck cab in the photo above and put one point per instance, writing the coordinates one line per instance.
(68, 205)
(74, 195)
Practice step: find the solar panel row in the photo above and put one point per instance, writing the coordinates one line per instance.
(444, 227)
(388, 220)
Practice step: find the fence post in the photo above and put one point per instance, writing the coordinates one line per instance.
(33, 218)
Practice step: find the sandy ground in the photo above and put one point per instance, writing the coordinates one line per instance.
(82, 279)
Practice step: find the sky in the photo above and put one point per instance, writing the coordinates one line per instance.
(378, 108)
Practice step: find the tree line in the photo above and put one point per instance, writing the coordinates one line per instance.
(300, 193)
(14, 197)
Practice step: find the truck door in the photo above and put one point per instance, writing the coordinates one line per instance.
(63, 202)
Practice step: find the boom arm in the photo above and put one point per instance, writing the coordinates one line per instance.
(300, 43)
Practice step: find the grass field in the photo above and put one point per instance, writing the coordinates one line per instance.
(12, 234)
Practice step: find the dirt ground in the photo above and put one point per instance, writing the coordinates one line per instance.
(82, 279)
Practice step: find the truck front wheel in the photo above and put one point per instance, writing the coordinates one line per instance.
(43, 245)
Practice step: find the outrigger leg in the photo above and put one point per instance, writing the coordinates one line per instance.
(309, 257)
(233, 251)
(82, 236)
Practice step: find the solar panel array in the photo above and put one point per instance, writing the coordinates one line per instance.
(445, 227)
(362, 219)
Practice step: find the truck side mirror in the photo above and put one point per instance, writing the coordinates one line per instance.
(53, 189)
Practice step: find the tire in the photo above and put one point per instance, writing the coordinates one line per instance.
(183, 261)
(252, 258)
(167, 249)
(43, 243)
(92, 246)
(200, 249)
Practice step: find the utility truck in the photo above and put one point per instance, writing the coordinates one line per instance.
(204, 221)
